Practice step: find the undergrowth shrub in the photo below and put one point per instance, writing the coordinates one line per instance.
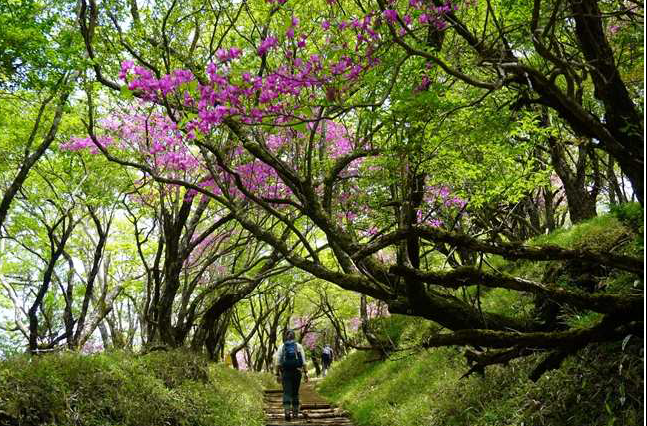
(175, 367)
(160, 388)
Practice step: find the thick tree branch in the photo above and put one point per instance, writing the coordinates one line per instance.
(620, 305)
(506, 250)
(608, 329)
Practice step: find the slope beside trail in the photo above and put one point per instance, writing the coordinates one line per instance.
(315, 411)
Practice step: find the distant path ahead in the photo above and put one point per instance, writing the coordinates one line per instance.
(315, 411)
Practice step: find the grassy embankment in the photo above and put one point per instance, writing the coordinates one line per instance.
(600, 385)
(160, 388)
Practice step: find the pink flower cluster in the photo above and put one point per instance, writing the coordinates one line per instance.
(280, 92)
(147, 83)
(203, 248)
(338, 140)
(354, 324)
(242, 360)
(310, 339)
(373, 310)
(267, 44)
(79, 144)
(437, 201)
(262, 180)
(285, 94)
(92, 346)
(390, 15)
(155, 138)
(427, 12)
(225, 55)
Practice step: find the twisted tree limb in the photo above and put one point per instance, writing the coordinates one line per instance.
(506, 250)
(606, 330)
(626, 306)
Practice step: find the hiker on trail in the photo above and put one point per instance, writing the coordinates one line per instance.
(326, 358)
(289, 362)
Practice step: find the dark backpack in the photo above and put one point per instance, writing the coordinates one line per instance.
(291, 357)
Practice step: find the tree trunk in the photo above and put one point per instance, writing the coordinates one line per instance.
(621, 116)
(581, 202)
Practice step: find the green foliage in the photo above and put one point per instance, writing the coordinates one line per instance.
(38, 42)
(401, 390)
(176, 367)
(21, 35)
(630, 214)
(395, 328)
(174, 388)
(266, 379)
(506, 302)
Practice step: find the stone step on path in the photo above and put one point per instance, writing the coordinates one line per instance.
(315, 411)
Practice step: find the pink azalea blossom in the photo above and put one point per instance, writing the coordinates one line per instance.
(267, 44)
(390, 15)
(125, 67)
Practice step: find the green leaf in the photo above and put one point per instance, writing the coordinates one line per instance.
(125, 93)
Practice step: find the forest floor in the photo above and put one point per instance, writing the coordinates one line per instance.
(315, 410)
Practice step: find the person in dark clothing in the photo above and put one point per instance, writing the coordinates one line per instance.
(326, 358)
(289, 362)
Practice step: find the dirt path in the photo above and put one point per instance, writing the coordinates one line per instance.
(315, 411)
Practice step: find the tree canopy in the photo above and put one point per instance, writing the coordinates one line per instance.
(207, 174)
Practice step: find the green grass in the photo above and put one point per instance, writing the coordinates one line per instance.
(426, 389)
(161, 388)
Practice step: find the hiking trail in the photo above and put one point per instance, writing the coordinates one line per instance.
(315, 411)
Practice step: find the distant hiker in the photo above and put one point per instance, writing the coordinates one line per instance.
(326, 358)
(289, 362)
